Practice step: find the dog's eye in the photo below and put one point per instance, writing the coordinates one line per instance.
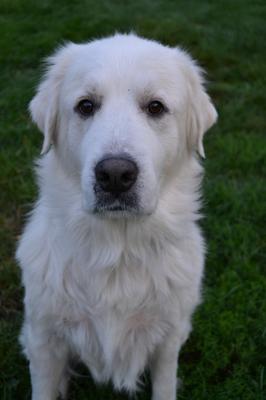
(86, 107)
(155, 108)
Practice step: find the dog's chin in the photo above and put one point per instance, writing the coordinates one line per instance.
(123, 207)
(118, 212)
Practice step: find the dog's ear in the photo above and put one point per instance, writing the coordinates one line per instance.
(44, 106)
(201, 113)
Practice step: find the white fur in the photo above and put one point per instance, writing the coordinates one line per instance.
(116, 289)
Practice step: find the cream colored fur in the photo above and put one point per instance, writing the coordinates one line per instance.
(115, 290)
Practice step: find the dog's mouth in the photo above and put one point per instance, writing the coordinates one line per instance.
(117, 206)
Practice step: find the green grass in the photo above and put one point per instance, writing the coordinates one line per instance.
(225, 357)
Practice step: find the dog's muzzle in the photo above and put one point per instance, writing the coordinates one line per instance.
(115, 181)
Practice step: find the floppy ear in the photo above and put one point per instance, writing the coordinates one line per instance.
(44, 106)
(201, 113)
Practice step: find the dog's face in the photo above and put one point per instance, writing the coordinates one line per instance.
(122, 112)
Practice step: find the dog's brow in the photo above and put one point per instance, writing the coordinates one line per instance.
(92, 95)
(150, 93)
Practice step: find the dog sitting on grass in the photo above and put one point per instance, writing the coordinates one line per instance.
(112, 256)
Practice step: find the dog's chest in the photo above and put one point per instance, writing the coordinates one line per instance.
(117, 328)
(114, 345)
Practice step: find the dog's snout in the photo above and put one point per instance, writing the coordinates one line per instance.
(116, 175)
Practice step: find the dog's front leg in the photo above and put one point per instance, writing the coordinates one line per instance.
(164, 369)
(47, 355)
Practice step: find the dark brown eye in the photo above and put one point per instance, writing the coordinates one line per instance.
(85, 107)
(155, 108)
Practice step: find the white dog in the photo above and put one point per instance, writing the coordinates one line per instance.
(112, 256)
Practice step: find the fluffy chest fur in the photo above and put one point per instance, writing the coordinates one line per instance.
(113, 291)
(122, 332)
(117, 316)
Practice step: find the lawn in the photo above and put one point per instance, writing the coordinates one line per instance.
(225, 357)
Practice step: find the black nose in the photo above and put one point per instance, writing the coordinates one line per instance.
(116, 175)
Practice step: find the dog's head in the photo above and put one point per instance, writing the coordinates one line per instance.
(121, 113)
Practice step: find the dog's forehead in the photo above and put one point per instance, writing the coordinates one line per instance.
(125, 61)
(123, 51)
